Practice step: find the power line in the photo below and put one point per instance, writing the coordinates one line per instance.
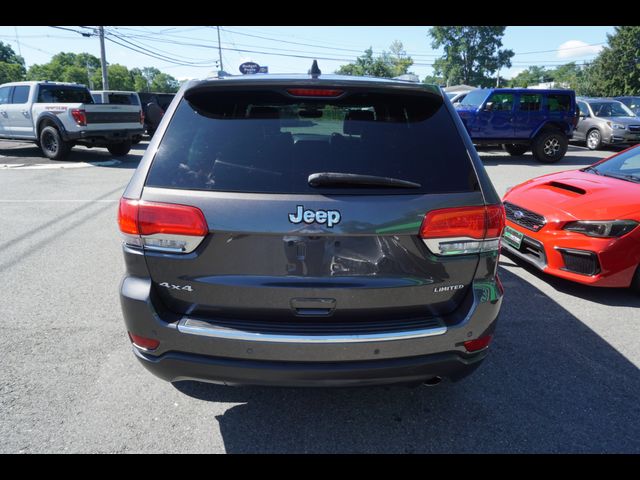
(412, 55)
(159, 51)
(150, 54)
(84, 34)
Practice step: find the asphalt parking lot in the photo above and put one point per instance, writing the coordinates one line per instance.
(563, 374)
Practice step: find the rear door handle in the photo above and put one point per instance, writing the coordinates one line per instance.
(3, 113)
(25, 113)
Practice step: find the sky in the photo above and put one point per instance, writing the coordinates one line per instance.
(191, 51)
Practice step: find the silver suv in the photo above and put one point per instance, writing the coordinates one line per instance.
(606, 121)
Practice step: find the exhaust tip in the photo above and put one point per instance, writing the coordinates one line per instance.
(432, 382)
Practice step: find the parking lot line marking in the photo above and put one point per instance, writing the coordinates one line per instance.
(52, 166)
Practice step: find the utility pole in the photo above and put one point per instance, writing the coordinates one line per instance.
(18, 41)
(220, 49)
(89, 75)
(103, 60)
(498, 78)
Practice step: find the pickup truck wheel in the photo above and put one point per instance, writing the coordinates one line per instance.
(515, 149)
(52, 144)
(550, 146)
(594, 139)
(119, 149)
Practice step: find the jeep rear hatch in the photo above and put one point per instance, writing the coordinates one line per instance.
(281, 246)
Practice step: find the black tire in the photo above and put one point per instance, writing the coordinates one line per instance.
(52, 144)
(515, 149)
(594, 139)
(136, 140)
(550, 146)
(119, 149)
(635, 283)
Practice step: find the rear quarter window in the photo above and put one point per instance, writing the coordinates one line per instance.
(271, 143)
(558, 103)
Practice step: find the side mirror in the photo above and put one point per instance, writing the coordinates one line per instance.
(488, 106)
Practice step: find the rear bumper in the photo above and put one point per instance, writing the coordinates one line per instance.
(240, 358)
(103, 137)
(176, 366)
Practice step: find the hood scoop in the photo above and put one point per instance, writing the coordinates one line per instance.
(566, 186)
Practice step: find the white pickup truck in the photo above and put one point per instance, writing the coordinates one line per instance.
(57, 116)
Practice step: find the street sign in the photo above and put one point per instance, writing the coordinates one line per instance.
(249, 68)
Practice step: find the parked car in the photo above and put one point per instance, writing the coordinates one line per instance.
(604, 121)
(357, 245)
(521, 119)
(154, 105)
(633, 102)
(57, 116)
(580, 225)
(118, 97)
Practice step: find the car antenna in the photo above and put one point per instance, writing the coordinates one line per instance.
(315, 71)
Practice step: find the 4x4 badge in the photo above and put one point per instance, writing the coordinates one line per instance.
(330, 217)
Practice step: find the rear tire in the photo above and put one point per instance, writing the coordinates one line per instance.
(594, 139)
(52, 145)
(119, 149)
(515, 149)
(550, 146)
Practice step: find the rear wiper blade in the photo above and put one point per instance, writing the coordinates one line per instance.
(326, 179)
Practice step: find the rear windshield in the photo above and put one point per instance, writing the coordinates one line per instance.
(267, 142)
(63, 94)
(123, 98)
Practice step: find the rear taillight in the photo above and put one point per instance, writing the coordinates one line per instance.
(164, 227)
(143, 342)
(141, 117)
(463, 230)
(477, 344)
(80, 116)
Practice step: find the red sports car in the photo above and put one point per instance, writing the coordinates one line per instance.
(581, 225)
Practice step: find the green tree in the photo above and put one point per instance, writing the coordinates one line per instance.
(119, 77)
(471, 54)
(434, 80)
(531, 76)
(616, 69)
(164, 83)
(7, 55)
(68, 67)
(11, 65)
(387, 65)
(85, 68)
(11, 72)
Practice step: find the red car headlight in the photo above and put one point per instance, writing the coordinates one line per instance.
(602, 229)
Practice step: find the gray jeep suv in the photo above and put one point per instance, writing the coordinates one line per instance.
(310, 231)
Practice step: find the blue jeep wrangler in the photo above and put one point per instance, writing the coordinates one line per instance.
(521, 119)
